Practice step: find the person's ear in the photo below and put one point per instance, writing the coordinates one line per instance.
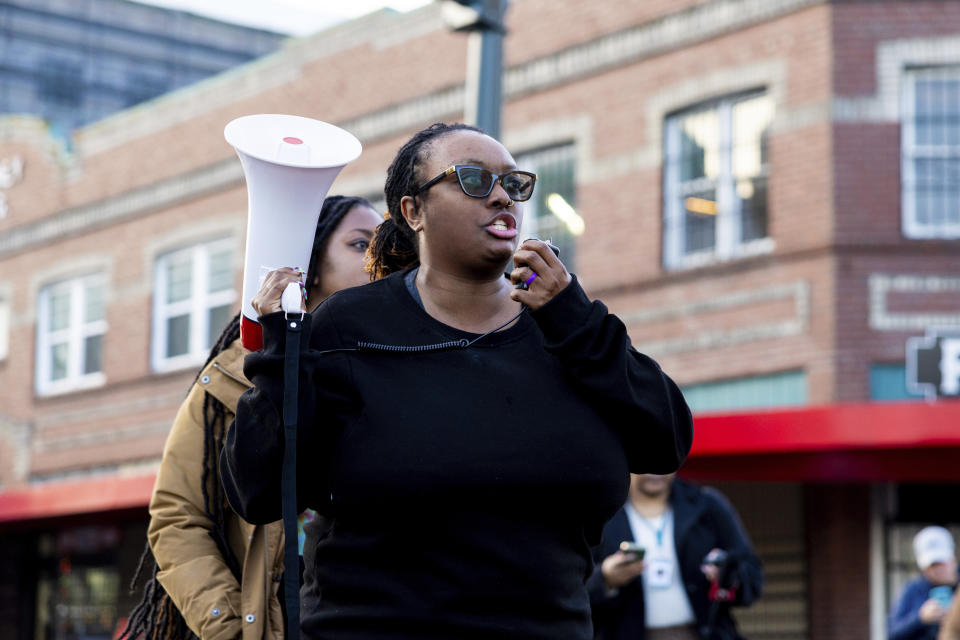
(411, 213)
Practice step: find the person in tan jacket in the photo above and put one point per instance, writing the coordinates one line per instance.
(218, 577)
(950, 627)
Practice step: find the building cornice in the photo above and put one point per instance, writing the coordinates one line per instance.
(86, 218)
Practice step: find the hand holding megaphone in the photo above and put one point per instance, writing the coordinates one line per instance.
(289, 164)
(281, 290)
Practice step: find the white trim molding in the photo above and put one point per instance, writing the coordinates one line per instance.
(797, 291)
(892, 58)
(160, 195)
(882, 319)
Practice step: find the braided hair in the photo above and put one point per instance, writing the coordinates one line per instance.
(156, 617)
(394, 245)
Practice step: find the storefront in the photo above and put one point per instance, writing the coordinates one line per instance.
(69, 551)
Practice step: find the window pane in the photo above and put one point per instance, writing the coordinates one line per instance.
(59, 309)
(179, 276)
(92, 348)
(178, 335)
(937, 108)
(751, 120)
(937, 189)
(752, 194)
(95, 302)
(699, 145)
(924, 109)
(700, 221)
(771, 390)
(889, 382)
(58, 361)
(219, 317)
(221, 273)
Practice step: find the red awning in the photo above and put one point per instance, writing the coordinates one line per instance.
(903, 441)
(908, 441)
(94, 495)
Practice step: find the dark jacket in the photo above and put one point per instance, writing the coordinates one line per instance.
(703, 520)
(904, 622)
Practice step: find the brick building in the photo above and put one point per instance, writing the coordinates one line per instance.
(770, 200)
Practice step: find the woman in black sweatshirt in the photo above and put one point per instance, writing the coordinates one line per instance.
(467, 438)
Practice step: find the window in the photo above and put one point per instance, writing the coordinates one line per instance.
(888, 382)
(60, 82)
(193, 301)
(930, 160)
(550, 213)
(141, 87)
(715, 181)
(71, 323)
(773, 390)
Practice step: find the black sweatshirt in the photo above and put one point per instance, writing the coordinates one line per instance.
(463, 488)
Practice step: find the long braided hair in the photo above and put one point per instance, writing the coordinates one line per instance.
(156, 617)
(394, 245)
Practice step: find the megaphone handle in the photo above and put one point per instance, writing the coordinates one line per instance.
(292, 299)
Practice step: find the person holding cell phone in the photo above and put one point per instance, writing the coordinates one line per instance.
(671, 564)
(925, 600)
(468, 438)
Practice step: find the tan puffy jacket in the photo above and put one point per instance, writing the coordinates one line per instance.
(192, 570)
(950, 627)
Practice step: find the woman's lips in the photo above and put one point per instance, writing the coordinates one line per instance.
(501, 230)
(503, 227)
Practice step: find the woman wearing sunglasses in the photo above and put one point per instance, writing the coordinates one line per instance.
(472, 437)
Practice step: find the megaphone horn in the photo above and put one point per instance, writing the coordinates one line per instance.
(289, 163)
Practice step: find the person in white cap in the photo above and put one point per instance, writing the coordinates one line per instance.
(925, 600)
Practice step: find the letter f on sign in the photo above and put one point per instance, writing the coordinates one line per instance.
(950, 366)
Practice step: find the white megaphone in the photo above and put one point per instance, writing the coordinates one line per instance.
(289, 163)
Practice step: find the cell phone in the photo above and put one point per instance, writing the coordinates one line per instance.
(637, 550)
(943, 595)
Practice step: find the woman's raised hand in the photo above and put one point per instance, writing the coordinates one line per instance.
(270, 294)
(540, 269)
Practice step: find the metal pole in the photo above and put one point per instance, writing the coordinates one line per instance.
(484, 86)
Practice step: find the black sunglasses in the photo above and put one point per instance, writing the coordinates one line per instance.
(478, 182)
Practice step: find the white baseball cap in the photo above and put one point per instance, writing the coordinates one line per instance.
(932, 544)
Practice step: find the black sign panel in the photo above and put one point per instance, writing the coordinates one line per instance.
(933, 364)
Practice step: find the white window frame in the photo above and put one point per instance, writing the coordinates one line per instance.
(74, 336)
(911, 151)
(727, 245)
(197, 305)
(4, 327)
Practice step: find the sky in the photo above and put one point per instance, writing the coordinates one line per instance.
(295, 17)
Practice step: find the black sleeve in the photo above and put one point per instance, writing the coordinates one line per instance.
(747, 568)
(643, 404)
(252, 458)
(607, 608)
